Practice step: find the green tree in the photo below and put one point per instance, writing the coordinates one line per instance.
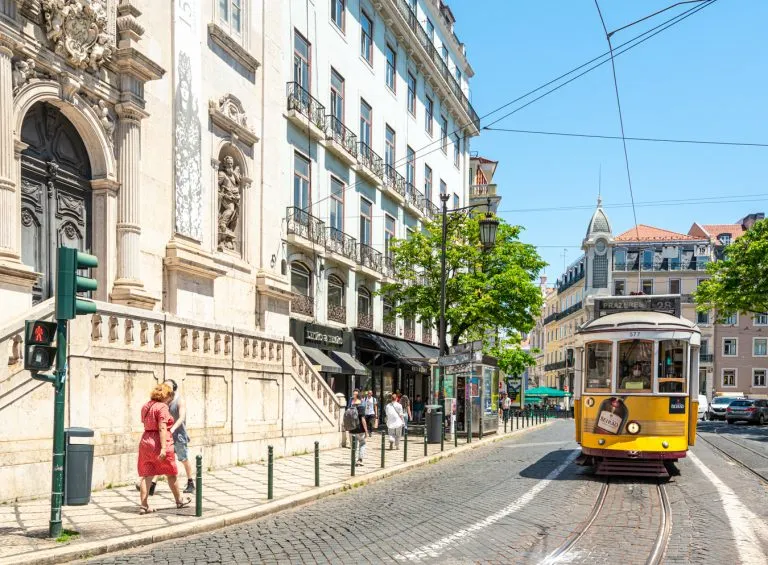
(738, 282)
(486, 291)
(511, 358)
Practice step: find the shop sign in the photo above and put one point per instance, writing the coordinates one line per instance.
(459, 359)
(614, 305)
(323, 336)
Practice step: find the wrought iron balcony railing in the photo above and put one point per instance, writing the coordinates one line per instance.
(409, 333)
(414, 196)
(389, 265)
(342, 135)
(551, 318)
(394, 180)
(306, 104)
(367, 256)
(482, 190)
(554, 366)
(423, 38)
(570, 310)
(302, 304)
(431, 210)
(302, 223)
(337, 313)
(664, 264)
(390, 327)
(427, 335)
(562, 286)
(336, 241)
(706, 357)
(368, 158)
(364, 321)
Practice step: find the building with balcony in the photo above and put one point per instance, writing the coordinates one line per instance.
(376, 124)
(482, 189)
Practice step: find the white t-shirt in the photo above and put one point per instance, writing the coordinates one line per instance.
(370, 406)
(394, 415)
(506, 403)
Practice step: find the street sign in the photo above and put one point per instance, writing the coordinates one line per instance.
(460, 358)
(476, 345)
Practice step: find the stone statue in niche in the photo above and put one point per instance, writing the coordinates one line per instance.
(229, 203)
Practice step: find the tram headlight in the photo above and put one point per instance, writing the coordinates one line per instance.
(601, 441)
(665, 444)
(633, 428)
(590, 402)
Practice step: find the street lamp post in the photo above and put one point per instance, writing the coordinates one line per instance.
(488, 227)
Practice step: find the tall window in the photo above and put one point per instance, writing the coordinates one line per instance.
(456, 149)
(366, 38)
(337, 206)
(761, 319)
(443, 187)
(730, 347)
(429, 113)
(337, 96)
(444, 134)
(231, 16)
(301, 181)
(428, 183)
(300, 279)
(620, 259)
(412, 94)
(410, 166)
(732, 320)
(389, 147)
(648, 259)
(363, 301)
(366, 215)
(366, 119)
(760, 347)
(647, 286)
(391, 74)
(458, 75)
(455, 201)
(389, 234)
(758, 377)
(336, 302)
(729, 377)
(337, 13)
(430, 31)
(619, 288)
(302, 61)
(702, 317)
(674, 286)
(444, 51)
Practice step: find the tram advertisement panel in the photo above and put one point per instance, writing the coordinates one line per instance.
(634, 415)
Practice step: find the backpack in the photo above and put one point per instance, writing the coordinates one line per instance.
(351, 420)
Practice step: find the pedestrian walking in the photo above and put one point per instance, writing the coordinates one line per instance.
(394, 413)
(156, 455)
(178, 409)
(506, 405)
(371, 412)
(361, 432)
(405, 402)
(418, 409)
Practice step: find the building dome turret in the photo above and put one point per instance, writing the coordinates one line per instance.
(599, 224)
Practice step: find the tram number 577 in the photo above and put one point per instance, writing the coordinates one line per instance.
(634, 334)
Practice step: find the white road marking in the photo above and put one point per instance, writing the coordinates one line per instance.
(433, 550)
(745, 524)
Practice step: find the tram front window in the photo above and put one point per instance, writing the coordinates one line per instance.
(598, 367)
(635, 363)
(672, 366)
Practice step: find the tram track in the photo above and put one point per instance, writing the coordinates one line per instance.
(566, 554)
(733, 457)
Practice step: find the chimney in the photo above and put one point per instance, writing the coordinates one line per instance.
(748, 221)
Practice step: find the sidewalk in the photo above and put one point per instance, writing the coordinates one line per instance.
(111, 521)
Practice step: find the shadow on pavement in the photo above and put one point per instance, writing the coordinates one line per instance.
(546, 464)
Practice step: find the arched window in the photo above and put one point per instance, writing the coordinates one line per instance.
(337, 306)
(364, 308)
(301, 286)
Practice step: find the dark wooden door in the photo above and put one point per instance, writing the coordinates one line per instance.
(55, 193)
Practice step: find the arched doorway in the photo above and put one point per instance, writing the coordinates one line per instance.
(55, 193)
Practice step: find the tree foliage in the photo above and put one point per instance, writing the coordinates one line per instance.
(739, 282)
(485, 290)
(511, 358)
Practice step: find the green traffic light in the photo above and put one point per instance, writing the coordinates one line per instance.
(68, 283)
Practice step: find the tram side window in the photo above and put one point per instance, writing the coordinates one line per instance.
(672, 366)
(599, 367)
(635, 365)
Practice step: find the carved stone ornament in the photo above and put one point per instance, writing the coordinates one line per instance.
(78, 31)
(23, 70)
(229, 203)
(228, 113)
(105, 118)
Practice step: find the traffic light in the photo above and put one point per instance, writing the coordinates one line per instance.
(39, 354)
(68, 283)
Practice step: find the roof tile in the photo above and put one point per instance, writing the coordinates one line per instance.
(645, 232)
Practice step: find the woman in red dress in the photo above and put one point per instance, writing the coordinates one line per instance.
(156, 455)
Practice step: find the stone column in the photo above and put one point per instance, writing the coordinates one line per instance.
(128, 288)
(8, 212)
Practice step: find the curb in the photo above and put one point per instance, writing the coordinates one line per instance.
(202, 525)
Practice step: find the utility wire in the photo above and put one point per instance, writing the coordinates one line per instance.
(627, 45)
(649, 139)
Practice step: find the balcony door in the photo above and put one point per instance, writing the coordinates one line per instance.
(302, 61)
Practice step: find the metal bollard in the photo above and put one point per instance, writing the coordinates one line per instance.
(425, 442)
(527, 421)
(270, 464)
(469, 428)
(405, 444)
(317, 463)
(442, 436)
(505, 425)
(517, 417)
(455, 434)
(383, 449)
(480, 434)
(199, 486)
(353, 457)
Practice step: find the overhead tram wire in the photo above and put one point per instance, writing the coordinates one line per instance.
(627, 45)
(616, 137)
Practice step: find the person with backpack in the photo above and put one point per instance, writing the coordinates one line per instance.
(354, 423)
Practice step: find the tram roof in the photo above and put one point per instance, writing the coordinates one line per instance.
(649, 320)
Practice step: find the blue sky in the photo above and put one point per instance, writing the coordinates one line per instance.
(704, 78)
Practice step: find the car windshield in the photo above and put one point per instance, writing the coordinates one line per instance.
(722, 401)
(742, 403)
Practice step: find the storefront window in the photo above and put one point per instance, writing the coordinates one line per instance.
(635, 365)
(599, 366)
(672, 366)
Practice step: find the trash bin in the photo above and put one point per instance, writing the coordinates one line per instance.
(78, 467)
(434, 421)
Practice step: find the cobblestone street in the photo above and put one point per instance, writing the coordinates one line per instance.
(515, 501)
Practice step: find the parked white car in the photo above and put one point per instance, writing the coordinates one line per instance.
(703, 407)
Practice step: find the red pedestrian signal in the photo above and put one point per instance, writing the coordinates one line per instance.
(39, 353)
(39, 335)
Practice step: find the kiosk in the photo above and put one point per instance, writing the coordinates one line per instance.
(471, 393)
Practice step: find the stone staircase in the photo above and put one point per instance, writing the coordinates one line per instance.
(244, 390)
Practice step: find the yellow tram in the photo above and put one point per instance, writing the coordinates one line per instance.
(636, 385)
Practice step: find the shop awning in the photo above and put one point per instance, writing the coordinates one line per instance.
(349, 365)
(426, 351)
(407, 352)
(319, 358)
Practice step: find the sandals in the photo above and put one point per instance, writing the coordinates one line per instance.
(146, 510)
(186, 501)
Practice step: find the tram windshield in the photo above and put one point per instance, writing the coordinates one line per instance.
(672, 366)
(599, 366)
(635, 365)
